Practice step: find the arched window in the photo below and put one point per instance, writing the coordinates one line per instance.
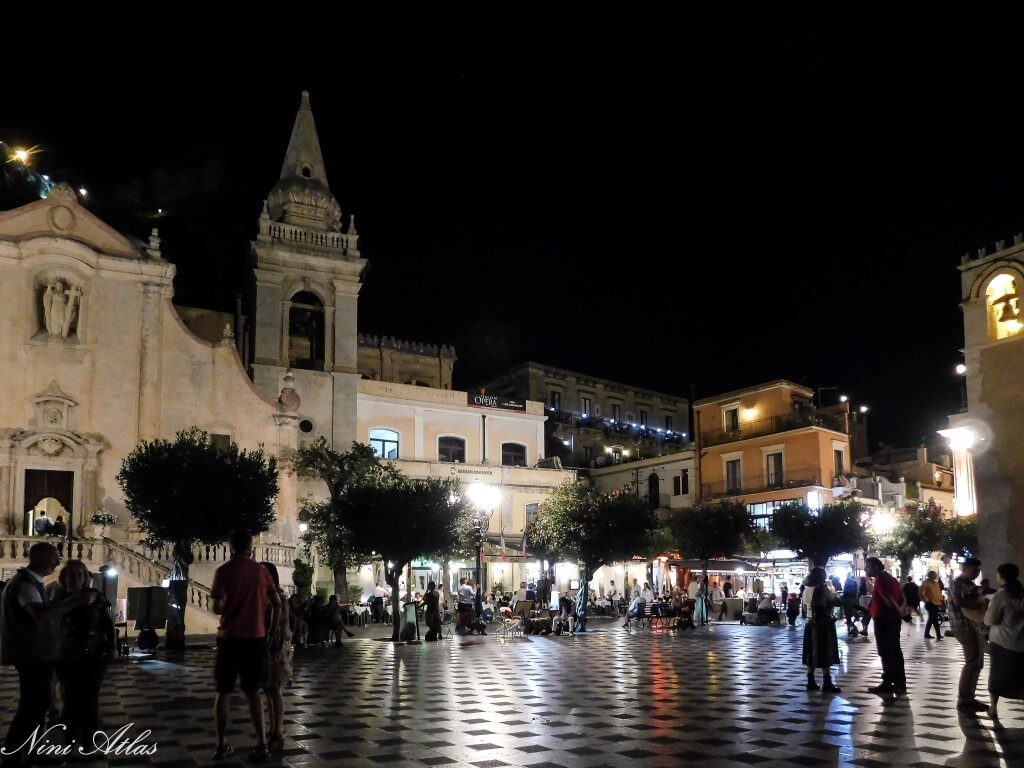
(384, 443)
(1004, 306)
(451, 448)
(513, 455)
(306, 332)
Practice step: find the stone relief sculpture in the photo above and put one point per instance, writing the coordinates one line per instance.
(59, 307)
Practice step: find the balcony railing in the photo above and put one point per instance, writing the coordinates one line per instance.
(771, 425)
(798, 477)
(596, 427)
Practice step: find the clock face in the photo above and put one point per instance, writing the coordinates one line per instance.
(52, 416)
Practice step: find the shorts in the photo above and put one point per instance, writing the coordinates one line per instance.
(244, 658)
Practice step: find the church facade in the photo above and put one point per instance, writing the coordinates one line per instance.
(98, 357)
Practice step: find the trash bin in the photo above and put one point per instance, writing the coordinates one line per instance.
(410, 623)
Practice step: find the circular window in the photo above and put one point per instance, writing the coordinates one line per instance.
(306, 173)
(306, 426)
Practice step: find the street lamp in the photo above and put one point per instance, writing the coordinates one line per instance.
(961, 369)
(484, 498)
(303, 527)
(863, 409)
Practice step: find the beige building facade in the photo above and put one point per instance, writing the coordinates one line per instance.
(988, 454)
(97, 358)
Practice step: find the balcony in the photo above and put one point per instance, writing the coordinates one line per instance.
(597, 428)
(770, 426)
(798, 477)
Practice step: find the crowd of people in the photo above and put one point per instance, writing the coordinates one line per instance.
(60, 638)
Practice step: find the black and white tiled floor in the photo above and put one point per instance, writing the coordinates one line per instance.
(724, 696)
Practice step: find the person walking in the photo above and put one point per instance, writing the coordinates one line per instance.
(821, 646)
(87, 642)
(966, 620)
(886, 609)
(29, 641)
(1005, 620)
(912, 595)
(932, 596)
(864, 588)
(849, 601)
(242, 589)
(279, 663)
(432, 612)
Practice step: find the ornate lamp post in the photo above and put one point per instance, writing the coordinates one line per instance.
(485, 498)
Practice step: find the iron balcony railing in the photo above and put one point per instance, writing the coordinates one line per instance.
(798, 477)
(770, 425)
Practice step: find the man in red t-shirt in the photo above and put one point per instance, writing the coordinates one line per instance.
(242, 589)
(886, 609)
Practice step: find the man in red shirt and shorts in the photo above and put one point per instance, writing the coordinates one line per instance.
(242, 589)
(886, 609)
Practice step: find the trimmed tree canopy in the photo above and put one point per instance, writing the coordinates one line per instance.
(190, 491)
(819, 534)
(579, 523)
(717, 529)
(916, 532)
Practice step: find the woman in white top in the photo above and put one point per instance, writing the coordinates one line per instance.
(647, 593)
(1005, 619)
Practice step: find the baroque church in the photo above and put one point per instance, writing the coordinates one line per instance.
(98, 357)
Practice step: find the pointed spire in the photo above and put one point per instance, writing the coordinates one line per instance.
(304, 157)
(302, 196)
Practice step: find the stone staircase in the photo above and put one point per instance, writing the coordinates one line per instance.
(141, 566)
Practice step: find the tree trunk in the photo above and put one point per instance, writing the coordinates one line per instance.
(341, 582)
(581, 600)
(905, 562)
(391, 576)
(177, 596)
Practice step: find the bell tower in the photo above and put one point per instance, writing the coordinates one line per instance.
(308, 272)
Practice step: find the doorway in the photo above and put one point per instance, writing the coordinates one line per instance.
(54, 486)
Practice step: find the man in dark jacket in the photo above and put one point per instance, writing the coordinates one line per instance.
(29, 641)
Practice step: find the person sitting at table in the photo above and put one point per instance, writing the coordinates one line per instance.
(767, 613)
(636, 610)
(566, 617)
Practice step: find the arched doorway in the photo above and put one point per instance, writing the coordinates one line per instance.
(50, 491)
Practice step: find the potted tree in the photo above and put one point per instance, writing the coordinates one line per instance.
(101, 522)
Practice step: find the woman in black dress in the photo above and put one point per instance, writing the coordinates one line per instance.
(821, 645)
(432, 612)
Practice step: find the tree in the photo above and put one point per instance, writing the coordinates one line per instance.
(960, 536)
(188, 491)
(710, 530)
(328, 530)
(402, 519)
(594, 529)
(302, 577)
(915, 532)
(820, 534)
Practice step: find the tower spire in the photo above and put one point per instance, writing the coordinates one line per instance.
(302, 196)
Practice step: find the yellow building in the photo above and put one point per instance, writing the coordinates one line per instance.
(768, 445)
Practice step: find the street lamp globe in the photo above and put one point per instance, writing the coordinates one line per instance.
(483, 496)
(303, 527)
(961, 369)
(844, 398)
(863, 409)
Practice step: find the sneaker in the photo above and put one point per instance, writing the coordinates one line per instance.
(222, 751)
(259, 754)
(881, 690)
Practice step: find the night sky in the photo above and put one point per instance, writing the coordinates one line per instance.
(712, 202)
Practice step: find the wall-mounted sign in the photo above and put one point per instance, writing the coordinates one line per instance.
(494, 401)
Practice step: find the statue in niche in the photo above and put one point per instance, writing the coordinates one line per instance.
(59, 305)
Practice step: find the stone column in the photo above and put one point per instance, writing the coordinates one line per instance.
(90, 475)
(7, 515)
(149, 363)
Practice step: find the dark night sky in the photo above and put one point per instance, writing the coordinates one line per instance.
(720, 201)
